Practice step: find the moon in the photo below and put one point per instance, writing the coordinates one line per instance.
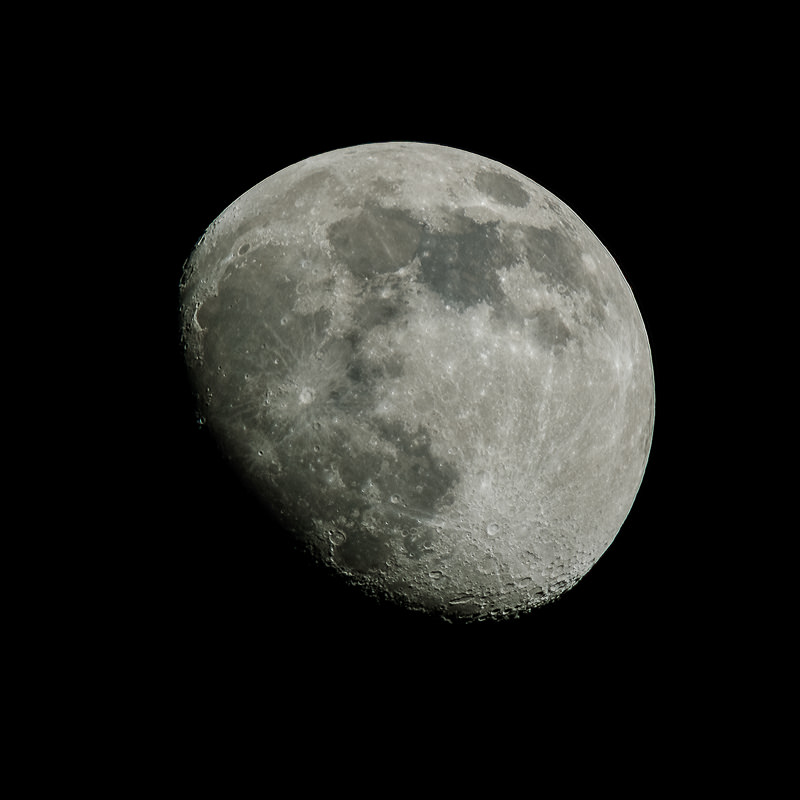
(429, 369)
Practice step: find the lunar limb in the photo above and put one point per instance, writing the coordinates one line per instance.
(429, 368)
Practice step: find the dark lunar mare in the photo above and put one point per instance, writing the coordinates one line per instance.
(250, 331)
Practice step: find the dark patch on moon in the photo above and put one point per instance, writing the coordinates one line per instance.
(367, 372)
(413, 483)
(374, 311)
(376, 240)
(545, 326)
(502, 188)
(461, 263)
(334, 361)
(363, 551)
(418, 478)
(549, 329)
(554, 256)
(557, 259)
(234, 318)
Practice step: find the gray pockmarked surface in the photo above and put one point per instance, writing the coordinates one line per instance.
(431, 370)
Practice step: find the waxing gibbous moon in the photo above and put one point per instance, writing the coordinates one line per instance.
(429, 368)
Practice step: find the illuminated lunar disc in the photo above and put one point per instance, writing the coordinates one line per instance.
(429, 368)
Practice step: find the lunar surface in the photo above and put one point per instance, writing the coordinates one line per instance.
(429, 368)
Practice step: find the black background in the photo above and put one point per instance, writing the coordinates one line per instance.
(176, 639)
(230, 615)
